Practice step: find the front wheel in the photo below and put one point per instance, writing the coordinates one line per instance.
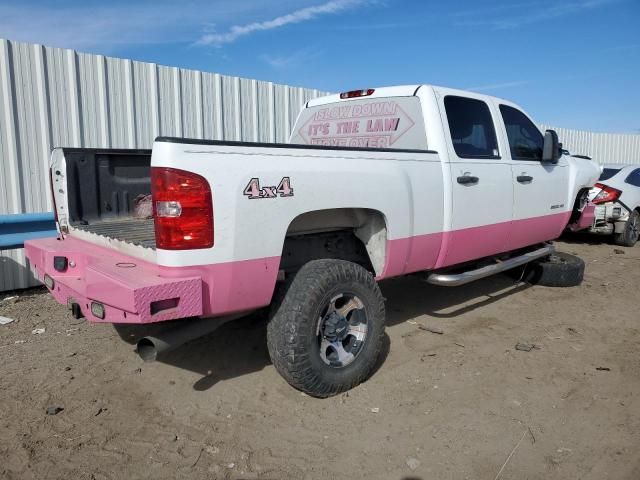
(629, 236)
(326, 330)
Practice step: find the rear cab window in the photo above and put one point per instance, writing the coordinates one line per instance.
(607, 173)
(383, 122)
(471, 126)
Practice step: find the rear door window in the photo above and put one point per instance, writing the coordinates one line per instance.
(471, 127)
(525, 140)
(383, 122)
(633, 178)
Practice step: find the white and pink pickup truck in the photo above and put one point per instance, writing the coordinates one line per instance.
(374, 184)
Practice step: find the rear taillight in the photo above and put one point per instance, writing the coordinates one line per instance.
(182, 209)
(606, 194)
(356, 93)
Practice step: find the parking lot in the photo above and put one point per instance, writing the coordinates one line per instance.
(461, 404)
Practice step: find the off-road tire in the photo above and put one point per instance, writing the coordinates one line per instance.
(292, 332)
(557, 270)
(629, 237)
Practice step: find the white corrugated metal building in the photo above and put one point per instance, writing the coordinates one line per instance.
(57, 97)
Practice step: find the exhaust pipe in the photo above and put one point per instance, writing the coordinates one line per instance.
(151, 347)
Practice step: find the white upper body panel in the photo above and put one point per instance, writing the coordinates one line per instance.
(391, 183)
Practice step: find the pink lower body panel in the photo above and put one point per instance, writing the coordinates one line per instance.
(439, 250)
(134, 291)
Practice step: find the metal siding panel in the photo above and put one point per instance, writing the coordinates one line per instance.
(27, 129)
(248, 113)
(190, 103)
(119, 102)
(265, 112)
(230, 107)
(93, 99)
(211, 106)
(167, 92)
(10, 148)
(146, 119)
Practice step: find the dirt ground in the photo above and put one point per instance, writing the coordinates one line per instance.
(462, 405)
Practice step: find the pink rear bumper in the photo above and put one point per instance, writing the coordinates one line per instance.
(135, 291)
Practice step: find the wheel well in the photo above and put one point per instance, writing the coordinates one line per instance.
(354, 234)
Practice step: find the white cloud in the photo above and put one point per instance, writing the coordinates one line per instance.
(297, 16)
(281, 61)
(115, 25)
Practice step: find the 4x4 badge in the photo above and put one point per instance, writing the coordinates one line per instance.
(254, 191)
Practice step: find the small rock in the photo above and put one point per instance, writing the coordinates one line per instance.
(72, 354)
(231, 465)
(37, 331)
(413, 463)
(603, 369)
(137, 370)
(619, 251)
(375, 410)
(175, 438)
(54, 409)
(211, 449)
(524, 347)
(5, 320)
(18, 342)
(66, 369)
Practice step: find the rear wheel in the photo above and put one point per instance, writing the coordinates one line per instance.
(325, 332)
(557, 270)
(629, 236)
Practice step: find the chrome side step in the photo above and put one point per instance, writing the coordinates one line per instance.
(455, 279)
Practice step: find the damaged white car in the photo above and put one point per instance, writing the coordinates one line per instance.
(617, 200)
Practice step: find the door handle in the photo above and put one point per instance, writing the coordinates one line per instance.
(524, 178)
(468, 180)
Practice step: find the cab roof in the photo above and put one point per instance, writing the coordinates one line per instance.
(396, 91)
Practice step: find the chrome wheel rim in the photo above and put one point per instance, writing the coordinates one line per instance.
(342, 330)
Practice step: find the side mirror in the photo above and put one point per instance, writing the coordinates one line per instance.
(552, 149)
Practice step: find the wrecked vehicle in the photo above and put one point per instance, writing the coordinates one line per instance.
(617, 200)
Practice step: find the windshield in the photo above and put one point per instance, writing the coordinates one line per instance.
(607, 173)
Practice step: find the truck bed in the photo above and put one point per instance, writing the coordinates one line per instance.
(134, 231)
(101, 187)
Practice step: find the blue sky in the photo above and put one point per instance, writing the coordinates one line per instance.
(574, 63)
